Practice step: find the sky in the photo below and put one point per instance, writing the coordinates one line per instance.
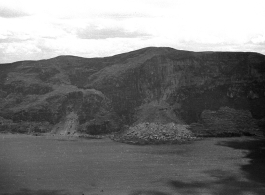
(41, 29)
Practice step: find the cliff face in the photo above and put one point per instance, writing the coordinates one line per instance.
(159, 85)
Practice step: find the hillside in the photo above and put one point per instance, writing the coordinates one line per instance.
(213, 92)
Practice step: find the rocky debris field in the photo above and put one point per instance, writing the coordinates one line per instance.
(155, 133)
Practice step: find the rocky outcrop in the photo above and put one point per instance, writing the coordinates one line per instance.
(154, 85)
(153, 133)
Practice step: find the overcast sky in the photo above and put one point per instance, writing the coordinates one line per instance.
(39, 29)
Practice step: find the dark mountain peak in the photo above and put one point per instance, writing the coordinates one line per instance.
(152, 51)
(153, 84)
(67, 57)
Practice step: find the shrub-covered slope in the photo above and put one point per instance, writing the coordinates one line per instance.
(69, 94)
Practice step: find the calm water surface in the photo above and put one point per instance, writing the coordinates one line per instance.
(59, 166)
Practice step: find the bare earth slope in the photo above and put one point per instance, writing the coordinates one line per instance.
(69, 94)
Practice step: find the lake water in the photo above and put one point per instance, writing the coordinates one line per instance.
(60, 166)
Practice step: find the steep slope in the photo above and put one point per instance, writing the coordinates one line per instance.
(186, 82)
(155, 85)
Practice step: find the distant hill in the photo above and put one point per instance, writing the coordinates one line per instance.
(70, 94)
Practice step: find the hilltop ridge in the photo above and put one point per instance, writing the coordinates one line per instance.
(73, 94)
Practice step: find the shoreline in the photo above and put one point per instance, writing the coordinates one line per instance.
(43, 164)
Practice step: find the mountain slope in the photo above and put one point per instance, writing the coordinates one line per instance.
(100, 95)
